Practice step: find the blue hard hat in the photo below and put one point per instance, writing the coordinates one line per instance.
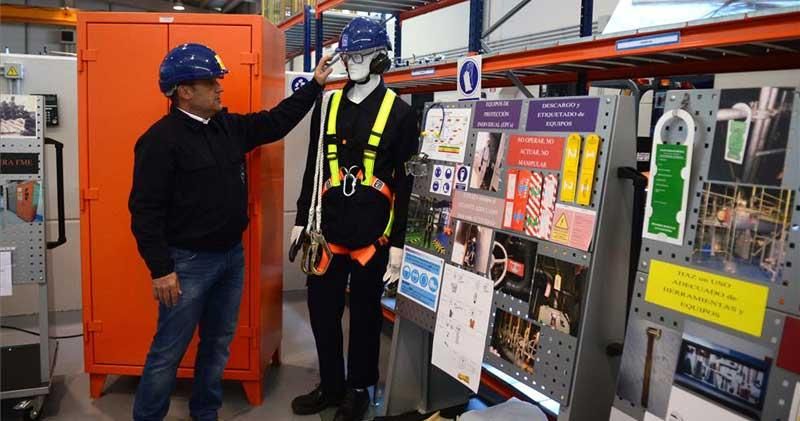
(189, 62)
(362, 34)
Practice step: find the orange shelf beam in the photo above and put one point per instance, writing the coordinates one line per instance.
(430, 7)
(762, 29)
(326, 5)
(41, 15)
(297, 19)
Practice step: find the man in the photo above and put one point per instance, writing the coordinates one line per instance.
(369, 135)
(188, 207)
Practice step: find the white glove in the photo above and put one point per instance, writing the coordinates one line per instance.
(296, 231)
(393, 268)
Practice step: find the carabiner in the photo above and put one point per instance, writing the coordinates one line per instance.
(351, 180)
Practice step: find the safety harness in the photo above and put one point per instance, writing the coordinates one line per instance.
(348, 178)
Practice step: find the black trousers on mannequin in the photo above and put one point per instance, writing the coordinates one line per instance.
(326, 300)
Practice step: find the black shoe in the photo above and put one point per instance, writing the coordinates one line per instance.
(314, 402)
(354, 406)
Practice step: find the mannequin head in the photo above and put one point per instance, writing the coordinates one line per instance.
(360, 64)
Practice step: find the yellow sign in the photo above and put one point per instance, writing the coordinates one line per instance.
(729, 302)
(12, 72)
(560, 231)
(571, 168)
(588, 164)
(562, 222)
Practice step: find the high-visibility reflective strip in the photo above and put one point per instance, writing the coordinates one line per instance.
(375, 136)
(388, 231)
(334, 111)
(333, 165)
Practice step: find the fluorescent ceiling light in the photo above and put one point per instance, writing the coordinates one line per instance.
(178, 5)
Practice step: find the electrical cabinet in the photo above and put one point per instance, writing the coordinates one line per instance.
(118, 60)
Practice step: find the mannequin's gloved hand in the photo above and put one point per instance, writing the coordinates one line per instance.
(393, 268)
(295, 241)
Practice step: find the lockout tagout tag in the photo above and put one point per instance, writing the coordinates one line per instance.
(571, 160)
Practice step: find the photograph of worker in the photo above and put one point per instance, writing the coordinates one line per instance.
(556, 294)
(725, 369)
(18, 116)
(22, 203)
(648, 365)
(742, 230)
(471, 246)
(429, 225)
(751, 136)
(486, 158)
(515, 340)
(511, 265)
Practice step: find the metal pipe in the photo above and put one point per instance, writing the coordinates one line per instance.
(319, 34)
(760, 128)
(307, 38)
(503, 19)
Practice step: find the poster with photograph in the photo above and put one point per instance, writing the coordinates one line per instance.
(515, 340)
(751, 136)
(23, 203)
(428, 227)
(685, 406)
(18, 116)
(557, 294)
(446, 133)
(471, 246)
(489, 150)
(723, 368)
(462, 323)
(511, 265)
(648, 365)
(743, 230)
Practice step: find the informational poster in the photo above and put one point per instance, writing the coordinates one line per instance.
(5, 273)
(446, 133)
(462, 177)
(429, 226)
(462, 323)
(477, 208)
(728, 302)
(18, 116)
(557, 294)
(442, 180)
(794, 414)
(535, 152)
(563, 115)
(515, 340)
(573, 227)
(503, 114)
(420, 277)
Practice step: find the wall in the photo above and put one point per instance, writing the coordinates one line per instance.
(58, 75)
(30, 38)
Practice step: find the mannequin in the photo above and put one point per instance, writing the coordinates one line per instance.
(368, 135)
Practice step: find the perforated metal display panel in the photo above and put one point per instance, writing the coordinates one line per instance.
(781, 383)
(26, 240)
(416, 313)
(703, 104)
(554, 356)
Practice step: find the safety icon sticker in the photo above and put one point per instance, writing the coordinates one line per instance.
(442, 180)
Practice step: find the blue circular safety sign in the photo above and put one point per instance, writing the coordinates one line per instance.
(462, 174)
(423, 280)
(437, 172)
(434, 284)
(435, 186)
(415, 276)
(446, 188)
(298, 83)
(448, 173)
(468, 78)
(406, 272)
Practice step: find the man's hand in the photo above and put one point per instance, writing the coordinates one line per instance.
(393, 268)
(322, 72)
(167, 289)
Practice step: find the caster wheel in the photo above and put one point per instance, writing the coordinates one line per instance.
(34, 415)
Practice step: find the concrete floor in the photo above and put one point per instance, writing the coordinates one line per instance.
(298, 374)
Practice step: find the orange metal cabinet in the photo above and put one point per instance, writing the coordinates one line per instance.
(118, 60)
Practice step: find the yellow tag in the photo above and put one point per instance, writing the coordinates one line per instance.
(221, 64)
(588, 164)
(570, 176)
(729, 302)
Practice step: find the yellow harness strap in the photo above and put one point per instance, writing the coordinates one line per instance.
(333, 155)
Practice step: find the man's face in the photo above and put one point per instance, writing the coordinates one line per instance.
(203, 97)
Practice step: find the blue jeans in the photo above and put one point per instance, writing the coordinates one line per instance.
(212, 284)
